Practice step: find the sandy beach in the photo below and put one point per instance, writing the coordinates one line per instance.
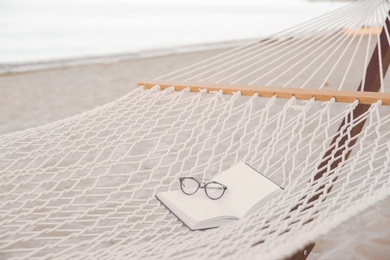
(39, 96)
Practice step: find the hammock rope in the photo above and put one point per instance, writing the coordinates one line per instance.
(84, 187)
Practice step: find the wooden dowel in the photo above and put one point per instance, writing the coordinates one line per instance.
(265, 91)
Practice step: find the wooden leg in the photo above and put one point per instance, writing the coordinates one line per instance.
(372, 84)
(302, 254)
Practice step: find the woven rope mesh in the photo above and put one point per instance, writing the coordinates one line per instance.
(85, 187)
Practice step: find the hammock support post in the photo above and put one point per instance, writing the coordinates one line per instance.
(302, 254)
(371, 84)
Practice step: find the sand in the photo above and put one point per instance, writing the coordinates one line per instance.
(39, 96)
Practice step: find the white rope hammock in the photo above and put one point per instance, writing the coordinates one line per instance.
(84, 187)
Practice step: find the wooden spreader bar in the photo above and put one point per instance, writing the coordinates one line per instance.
(265, 91)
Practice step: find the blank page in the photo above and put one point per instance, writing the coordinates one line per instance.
(246, 187)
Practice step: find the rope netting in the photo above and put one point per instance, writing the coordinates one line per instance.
(329, 52)
(85, 187)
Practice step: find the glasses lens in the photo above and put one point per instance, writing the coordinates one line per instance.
(214, 190)
(189, 186)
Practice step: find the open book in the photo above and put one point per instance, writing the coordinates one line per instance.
(247, 190)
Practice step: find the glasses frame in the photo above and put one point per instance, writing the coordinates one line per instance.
(202, 184)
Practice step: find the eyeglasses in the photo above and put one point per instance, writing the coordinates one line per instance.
(214, 190)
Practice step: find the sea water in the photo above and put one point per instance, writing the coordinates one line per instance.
(46, 30)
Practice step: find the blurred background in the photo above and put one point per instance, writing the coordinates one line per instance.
(46, 30)
(60, 58)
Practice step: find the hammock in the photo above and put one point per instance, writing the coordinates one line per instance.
(85, 187)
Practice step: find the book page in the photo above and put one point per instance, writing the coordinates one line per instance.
(246, 187)
(198, 206)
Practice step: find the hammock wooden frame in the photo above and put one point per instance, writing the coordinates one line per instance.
(346, 96)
